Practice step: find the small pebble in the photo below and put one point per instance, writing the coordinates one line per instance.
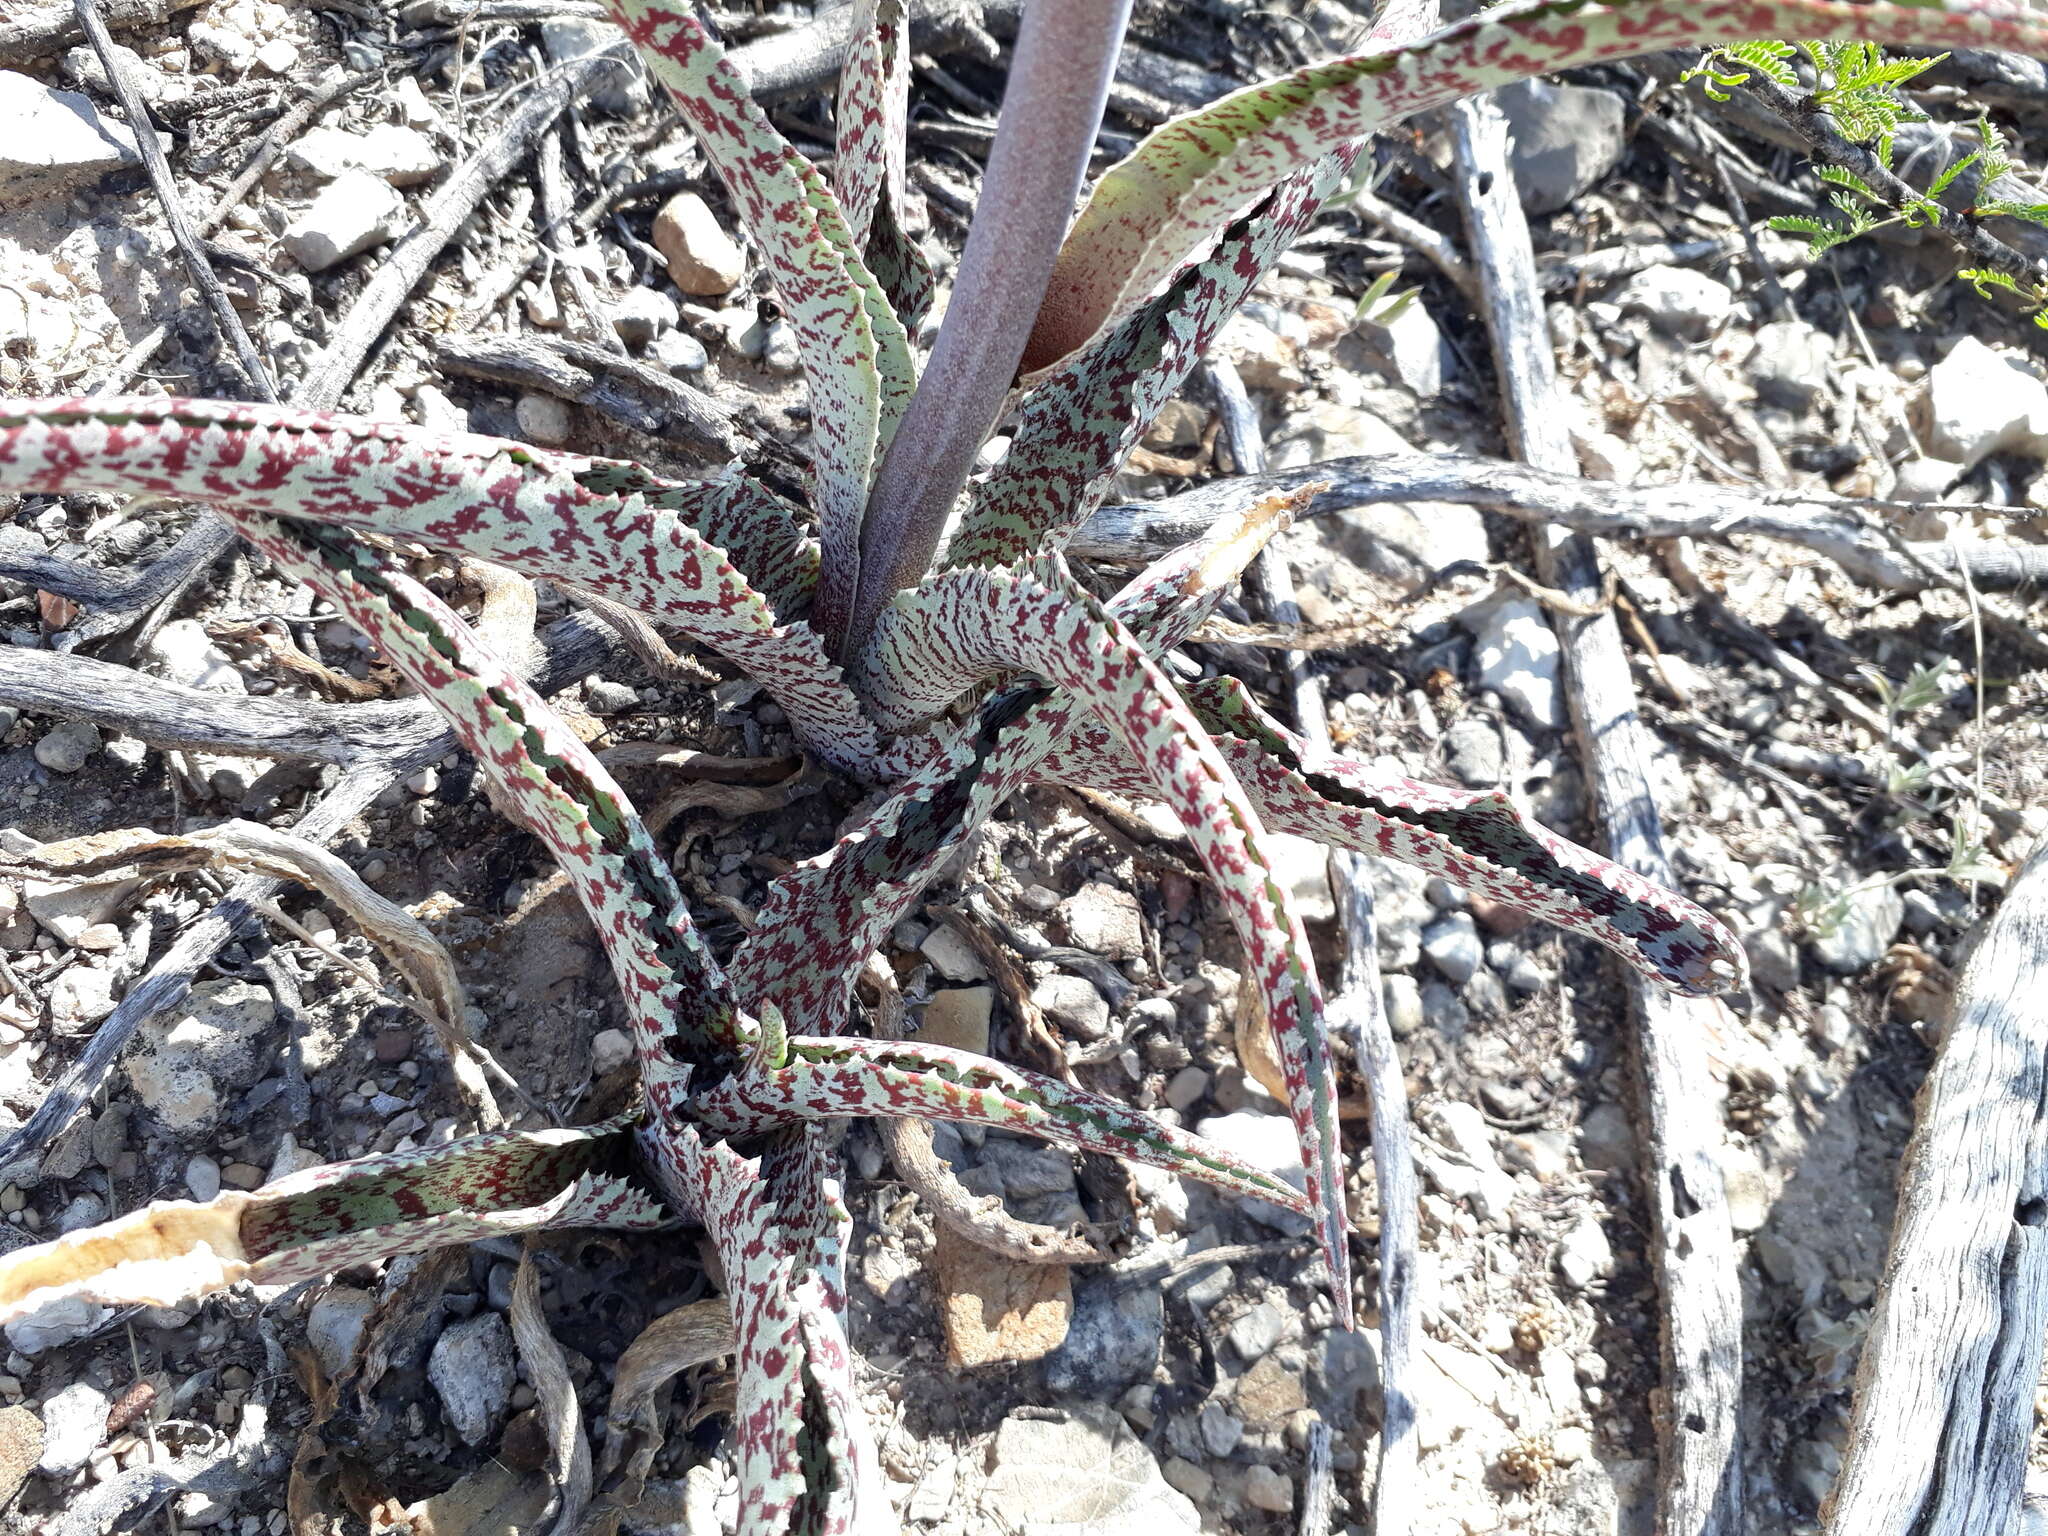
(68, 747)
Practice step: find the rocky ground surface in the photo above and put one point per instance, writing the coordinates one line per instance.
(1165, 1392)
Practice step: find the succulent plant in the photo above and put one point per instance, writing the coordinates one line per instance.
(920, 631)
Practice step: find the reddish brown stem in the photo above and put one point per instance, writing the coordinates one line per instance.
(1052, 106)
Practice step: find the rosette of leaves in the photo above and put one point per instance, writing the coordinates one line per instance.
(919, 632)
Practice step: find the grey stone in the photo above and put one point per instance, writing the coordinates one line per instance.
(1402, 909)
(1028, 1167)
(82, 1210)
(184, 1063)
(643, 314)
(351, 213)
(1923, 914)
(52, 140)
(1773, 957)
(1084, 1475)
(1402, 998)
(1563, 139)
(1517, 653)
(1748, 1190)
(1073, 1005)
(952, 956)
(68, 746)
(1678, 300)
(202, 1176)
(1259, 1329)
(1348, 1364)
(619, 89)
(1858, 938)
(678, 352)
(1607, 1142)
(55, 1324)
(1267, 1489)
(606, 697)
(82, 67)
(1452, 944)
(610, 1049)
(473, 1370)
(1793, 363)
(1446, 1012)
(1472, 751)
(1222, 1431)
(74, 1423)
(334, 1324)
(1981, 402)
(1112, 1340)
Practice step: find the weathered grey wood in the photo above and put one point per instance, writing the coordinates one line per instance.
(1700, 1301)
(1845, 532)
(1945, 1388)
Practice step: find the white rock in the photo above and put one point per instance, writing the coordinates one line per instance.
(277, 57)
(1412, 346)
(82, 68)
(402, 156)
(1267, 1142)
(702, 258)
(225, 44)
(1855, 941)
(185, 653)
(183, 1064)
(1086, 1475)
(1518, 652)
(1104, 920)
(1303, 866)
(54, 1324)
(82, 996)
(619, 89)
(1792, 363)
(1678, 299)
(52, 140)
(1585, 1254)
(1981, 402)
(473, 1370)
(1749, 1192)
(352, 213)
(74, 1423)
(609, 1051)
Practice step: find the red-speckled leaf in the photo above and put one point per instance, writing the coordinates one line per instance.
(867, 169)
(963, 626)
(1195, 173)
(823, 919)
(1075, 429)
(1476, 838)
(854, 349)
(590, 523)
(326, 1219)
(674, 990)
(780, 1227)
(844, 1076)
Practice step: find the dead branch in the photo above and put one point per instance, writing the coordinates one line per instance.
(1846, 532)
(630, 393)
(1945, 1388)
(1699, 1434)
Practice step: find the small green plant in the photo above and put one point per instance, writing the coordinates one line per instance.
(921, 634)
(1856, 85)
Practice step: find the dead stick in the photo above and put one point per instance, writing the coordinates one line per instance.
(1699, 1434)
(1357, 1010)
(1945, 1387)
(225, 320)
